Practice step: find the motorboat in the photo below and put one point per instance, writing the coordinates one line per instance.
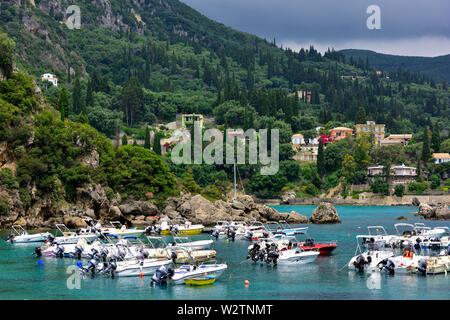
(183, 242)
(284, 228)
(368, 254)
(324, 248)
(119, 230)
(379, 233)
(20, 235)
(297, 256)
(70, 237)
(257, 231)
(135, 267)
(186, 229)
(186, 272)
(201, 281)
(280, 249)
(422, 230)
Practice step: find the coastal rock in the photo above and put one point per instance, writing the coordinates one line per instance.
(325, 213)
(139, 208)
(415, 202)
(441, 212)
(197, 209)
(74, 222)
(287, 196)
(426, 211)
(296, 218)
(114, 213)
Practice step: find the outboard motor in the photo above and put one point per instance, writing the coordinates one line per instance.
(360, 263)
(215, 234)
(253, 252)
(231, 234)
(37, 252)
(422, 267)
(249, 235)
(91, 266)
(78, 251)
(104, 254)
(10, 238)
(59, 251)
(162, 275)
(51, 239)
(93, 253)
(388, 265)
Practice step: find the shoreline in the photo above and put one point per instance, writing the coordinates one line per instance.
(407, 200)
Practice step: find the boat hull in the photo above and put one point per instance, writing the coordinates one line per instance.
(136, 270)
(31, 238)
(189, 232)
(324, 249)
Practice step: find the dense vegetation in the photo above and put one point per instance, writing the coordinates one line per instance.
(148, 61)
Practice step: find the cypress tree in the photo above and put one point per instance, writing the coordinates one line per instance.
(321, 160)
(63, 103)
(435, 139)
(147, 138)
(124, 140)
(426, 146)
(77, 103)
(157, 143)
(89, 94)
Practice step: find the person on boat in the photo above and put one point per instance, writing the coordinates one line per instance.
(417, 247)
(407, 253)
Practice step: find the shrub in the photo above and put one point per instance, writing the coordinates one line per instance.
(7, 179)
(399, 190)
(417, 187)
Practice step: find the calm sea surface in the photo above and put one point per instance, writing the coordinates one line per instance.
(22, 277)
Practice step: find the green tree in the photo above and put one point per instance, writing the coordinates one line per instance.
(435, 140)
(6, 55)
(426, 153)
(399, 190)
(78, 105)
(157, 142)
(132, 101)
(147, 138)
(124, 140)
(63, 103)
(321, 160)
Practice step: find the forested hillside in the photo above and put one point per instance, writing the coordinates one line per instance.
(134, 64)
(437, 68)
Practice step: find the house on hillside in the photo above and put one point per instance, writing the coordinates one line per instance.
(340, 133)
(187, 119)
(50, 78)
(441, 158)
(399, 174)
(374, 129)
(396, 139)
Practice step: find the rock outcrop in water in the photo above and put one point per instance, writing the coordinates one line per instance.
(325, 213)
(434, 212)
(197, 209)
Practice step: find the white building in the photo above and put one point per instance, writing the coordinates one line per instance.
(441, 158)
(50, 78)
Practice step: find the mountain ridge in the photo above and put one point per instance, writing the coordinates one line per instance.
(436, 67)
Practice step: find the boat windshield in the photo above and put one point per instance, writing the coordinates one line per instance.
(377, 231)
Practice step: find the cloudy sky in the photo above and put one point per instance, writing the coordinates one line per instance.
(408, 27)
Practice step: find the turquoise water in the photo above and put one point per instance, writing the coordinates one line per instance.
(22, 278)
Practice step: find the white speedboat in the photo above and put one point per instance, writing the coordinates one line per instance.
(70, 237)
(425, 231)
(284, 228)
(119, 230)
(20, 235)
(297, 256)
(190, 271)
(369, 253)
(135, 268)
(183, 242)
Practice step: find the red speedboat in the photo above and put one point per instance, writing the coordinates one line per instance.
(324, 248)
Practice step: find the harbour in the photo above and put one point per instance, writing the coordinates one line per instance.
(23, 276)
